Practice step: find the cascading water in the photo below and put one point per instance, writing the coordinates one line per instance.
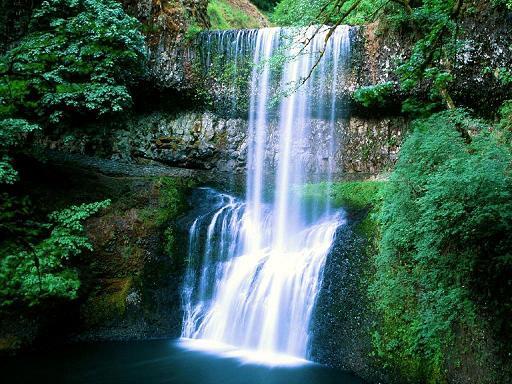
(255, 266)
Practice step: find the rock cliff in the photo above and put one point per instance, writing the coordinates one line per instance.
(210, 131)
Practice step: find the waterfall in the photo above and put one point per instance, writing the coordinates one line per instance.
(255, 266)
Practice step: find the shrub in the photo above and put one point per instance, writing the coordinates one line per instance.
(78, 58)
(31, 272)
(445, 248)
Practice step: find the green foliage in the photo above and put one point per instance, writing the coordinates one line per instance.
(171, 204)
(446, 216)
(78, 59)
(506, 117)
(351, 195)
(507, 3)
(297, 12)
(33, 271)
(502, 74)
(265, 5)
(224, 16)
(357, 194)
(419, 108)
(374, 95)
(348, 194)
(432, 24)
(192, 31)
(171, 201)
(304, 12)
(12, 134)
(169, 241)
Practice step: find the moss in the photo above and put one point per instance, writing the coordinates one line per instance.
(224, 15)
(357, 194)
(349, 194)
(192, 31)
(170, 201)
(9, 343)
(359, 198)
(169, 241)
(108, 302)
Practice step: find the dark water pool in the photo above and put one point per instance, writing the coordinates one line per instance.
(158, 361)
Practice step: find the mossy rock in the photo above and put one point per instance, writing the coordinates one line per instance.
(9, 343)
(108, 303)
(228, 14)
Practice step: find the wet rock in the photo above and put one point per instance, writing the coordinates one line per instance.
(196, 142)
(341, 325)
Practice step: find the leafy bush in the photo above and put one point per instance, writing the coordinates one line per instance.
(506, 117)
(79, 58)
(297, 12)
(31, 272)
(304, 12)
(12, 134)
(445, 248)
(374, 95)
(507, 3)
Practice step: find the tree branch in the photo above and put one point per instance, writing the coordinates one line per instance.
(327, 37)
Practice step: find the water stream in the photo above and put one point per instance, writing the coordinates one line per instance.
(255, 265)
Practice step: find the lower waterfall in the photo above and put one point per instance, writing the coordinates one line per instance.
(255, 265)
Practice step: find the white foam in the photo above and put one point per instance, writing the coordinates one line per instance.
(245, 356)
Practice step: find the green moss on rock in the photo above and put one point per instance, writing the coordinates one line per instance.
(108, 302)
(357, 194)
(9, 343)
(224, 14)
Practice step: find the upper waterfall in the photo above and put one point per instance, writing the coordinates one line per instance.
(255, 266)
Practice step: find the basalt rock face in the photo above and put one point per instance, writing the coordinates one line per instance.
(371, 145)
(188, 140)
(375, 53)
(215, 136)
(342, 324)
(486, 47)
(205, 141)
(167, 23)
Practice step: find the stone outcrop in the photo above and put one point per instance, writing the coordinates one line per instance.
(486, 47)
(188, 140)
(376, 51)
(205, 141)
(167, 23)
(215, 137)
